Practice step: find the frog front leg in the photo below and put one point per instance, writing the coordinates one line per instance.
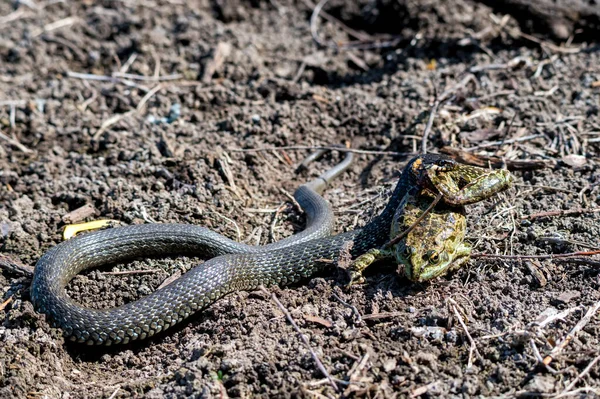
(363, 261)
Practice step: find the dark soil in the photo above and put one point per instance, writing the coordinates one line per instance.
(70, 140)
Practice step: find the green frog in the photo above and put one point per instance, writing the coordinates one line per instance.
(436, 244)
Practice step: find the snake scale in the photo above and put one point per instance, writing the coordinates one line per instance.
(232, 267)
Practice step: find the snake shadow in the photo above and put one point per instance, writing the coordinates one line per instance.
(172, 336)
(382, 276)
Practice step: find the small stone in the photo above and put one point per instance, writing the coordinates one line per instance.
(451, 336)
(389, 365)
(352, 334)
(567, 296)
(540, 384)
(144, 290)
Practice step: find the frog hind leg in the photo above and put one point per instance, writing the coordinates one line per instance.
(481, 185)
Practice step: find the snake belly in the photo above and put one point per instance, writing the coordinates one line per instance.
(235, 266)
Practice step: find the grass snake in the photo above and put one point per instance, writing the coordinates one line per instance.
(233, 266)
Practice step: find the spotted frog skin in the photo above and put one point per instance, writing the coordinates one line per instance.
(436, 244)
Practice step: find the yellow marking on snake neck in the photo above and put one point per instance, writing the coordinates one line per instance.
(72, 229)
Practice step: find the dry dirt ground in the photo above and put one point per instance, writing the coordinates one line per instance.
(87, 94)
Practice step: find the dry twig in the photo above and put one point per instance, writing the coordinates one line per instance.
(302, 337)
(15, 266)
(485, 161)
(545, 256)
(567, 212)
(111, 121)
(6, 303)
(350, 306)
(325, 147)
(79, 214)
(128, 272)
(581, 375)
(578, 327)
(15, 143)
(365, 41)
(446, 95)
(549, 318)
(473, 347)
(507, 141)
(382, 315)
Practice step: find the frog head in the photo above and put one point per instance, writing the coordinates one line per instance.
(435, 246)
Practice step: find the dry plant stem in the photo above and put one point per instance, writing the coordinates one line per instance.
(538, 357)
(14, 266)
(406, 232)
(114, 394)
(383, 315)
(548, 45)
(485, 161)
(350, 306)
(358, 367)
(314, 18)
(5, 303)
(274, 222)
(580, 376)
(364, 43)
(15, 143)
(446, 95)
(326, 147)
(427, 130)
(104, 78)
(557, 316)
(61, 23)
(13, 103)
(314, 384)
(473, 347)
(578, 391)
(118, 77)
(170, 279)
(581, 261)
(111, 121)
(578, 327)
(503, 142)
(128, 272)
(302, 337)
(552, 256)
(331, 18)
(143, 78)
(560, 213)
(144, 100)
(116, 118)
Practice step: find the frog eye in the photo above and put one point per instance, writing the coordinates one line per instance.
(431, 256)
(446, 164)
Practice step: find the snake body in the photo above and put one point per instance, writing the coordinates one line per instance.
(233, 266)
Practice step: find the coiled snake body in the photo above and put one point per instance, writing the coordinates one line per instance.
(234, 266)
